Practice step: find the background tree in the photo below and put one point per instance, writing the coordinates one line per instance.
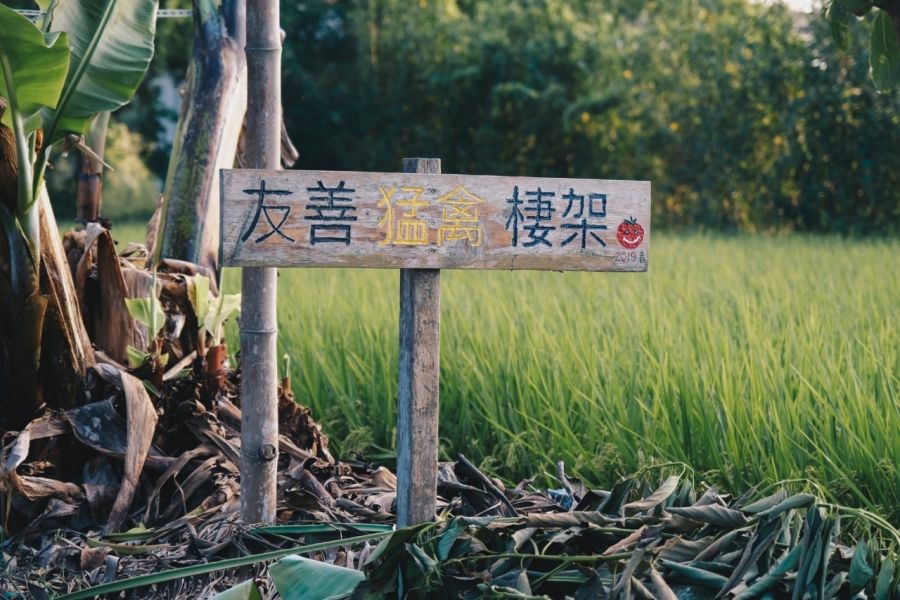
(744, 116)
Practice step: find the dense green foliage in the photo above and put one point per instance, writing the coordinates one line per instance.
(739, 119)
(755, 359)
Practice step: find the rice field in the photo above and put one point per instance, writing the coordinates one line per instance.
(751, 359)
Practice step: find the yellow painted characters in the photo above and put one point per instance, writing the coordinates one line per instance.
(404, 224)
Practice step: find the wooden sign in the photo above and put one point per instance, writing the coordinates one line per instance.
(429, 221)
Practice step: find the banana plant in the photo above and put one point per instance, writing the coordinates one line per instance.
(34, 65)
(85, 57)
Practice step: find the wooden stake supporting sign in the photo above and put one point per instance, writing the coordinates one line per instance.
(418, 378)
(420, 221)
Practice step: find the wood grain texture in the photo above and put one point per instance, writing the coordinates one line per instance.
(419, 220)
(418, 376)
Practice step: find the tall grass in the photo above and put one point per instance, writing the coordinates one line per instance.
(751, 359)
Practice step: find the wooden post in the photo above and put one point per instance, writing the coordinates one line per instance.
(259, 374)
(419, 379)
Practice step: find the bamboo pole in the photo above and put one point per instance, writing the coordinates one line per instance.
(259, 401)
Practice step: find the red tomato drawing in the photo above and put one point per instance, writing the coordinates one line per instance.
(630, 233)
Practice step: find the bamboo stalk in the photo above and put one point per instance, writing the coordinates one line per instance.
(259, 401)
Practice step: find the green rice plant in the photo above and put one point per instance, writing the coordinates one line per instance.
(753, 359)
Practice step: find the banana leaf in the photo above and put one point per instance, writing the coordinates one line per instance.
(299, 578)
(111, 42)
(244, 591)
(33, 67)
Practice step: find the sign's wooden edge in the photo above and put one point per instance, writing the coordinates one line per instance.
(290, 172)
(223, 173)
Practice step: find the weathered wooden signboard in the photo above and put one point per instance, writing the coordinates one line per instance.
(420, 221)
(431, 221)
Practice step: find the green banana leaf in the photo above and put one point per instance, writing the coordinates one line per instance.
(299, 578)
(148, 312)
(243, 591)
(33, 66)
(112, 44)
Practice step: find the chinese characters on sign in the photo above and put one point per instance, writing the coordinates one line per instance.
(434, 221)
(584, 226)
(459, 217)
(332, 221)
(405, 225)
(411, 229)
(262, 207)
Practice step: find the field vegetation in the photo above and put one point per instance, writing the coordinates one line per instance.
(752, 359)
